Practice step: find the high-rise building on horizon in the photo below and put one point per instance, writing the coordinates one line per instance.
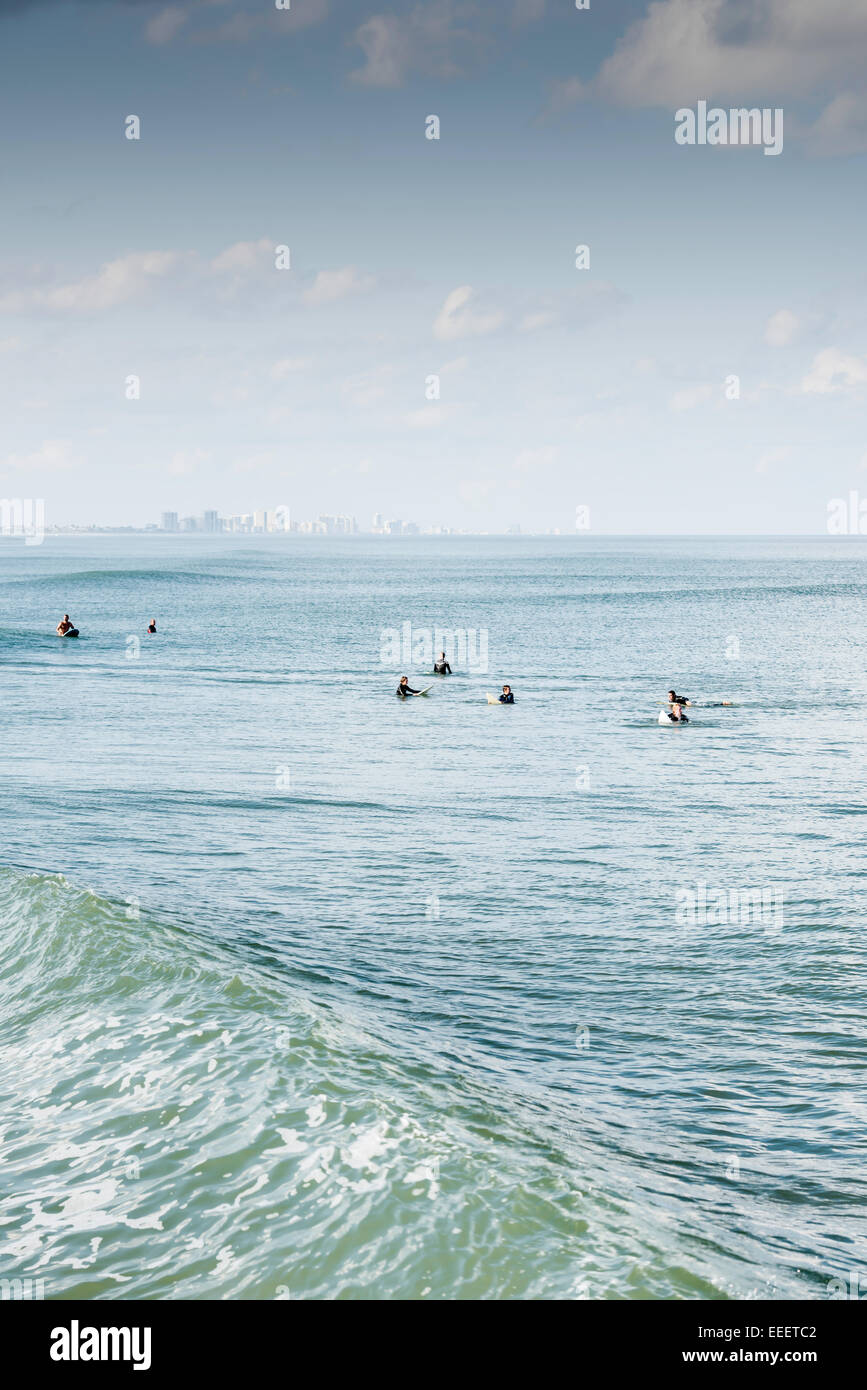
(169, 521)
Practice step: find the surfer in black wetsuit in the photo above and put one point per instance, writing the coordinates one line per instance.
(405, 688)
(152, 625)
(442, 667)
(507, 698)
(677, 702)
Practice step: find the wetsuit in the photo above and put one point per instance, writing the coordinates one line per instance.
(406, 690)
(442, 668)
(507, 699)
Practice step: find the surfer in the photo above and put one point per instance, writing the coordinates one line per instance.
(64, 626)
(507, 698)
(442, 667)
(677, 703)
(405, 688)
(152, 625)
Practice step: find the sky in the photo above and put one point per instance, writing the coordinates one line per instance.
(430, 346)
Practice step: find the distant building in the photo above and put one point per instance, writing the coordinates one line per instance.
(169, 521)
(378, 523)
(189, 523)
(211, 522)
(393, 528)
(260, 521)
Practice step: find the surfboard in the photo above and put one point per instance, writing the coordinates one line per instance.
(493, 699)
(426, 689)
(672, 723)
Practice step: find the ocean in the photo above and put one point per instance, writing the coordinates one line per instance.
(308, 992)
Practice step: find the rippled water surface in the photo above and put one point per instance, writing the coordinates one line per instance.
(309, 992)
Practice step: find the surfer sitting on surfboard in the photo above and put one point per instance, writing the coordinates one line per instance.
(405, 688)
(442, 667)
(507, 698)
(64, 626)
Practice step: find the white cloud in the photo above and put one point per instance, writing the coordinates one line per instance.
(367, 388)
(530, 460)
(691, 396)
(115, 282)
(241, 27)
(52, 454)
(135, 275)
(163, 26)
(430, 417)
(682, 50)
(287, 365)
(454, 320)
(330, 285)
(527, 11)
(782, 328)
(772, 457)
(530, 322)
(434, 39)
(841, 128)
(833, 370)
(244, 256)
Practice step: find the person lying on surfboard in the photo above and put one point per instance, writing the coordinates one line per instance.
(442, 667)
(507, 698)
(405, 688)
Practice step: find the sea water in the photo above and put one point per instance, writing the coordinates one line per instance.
(308, 992)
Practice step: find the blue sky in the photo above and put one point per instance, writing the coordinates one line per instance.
(411, 257)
